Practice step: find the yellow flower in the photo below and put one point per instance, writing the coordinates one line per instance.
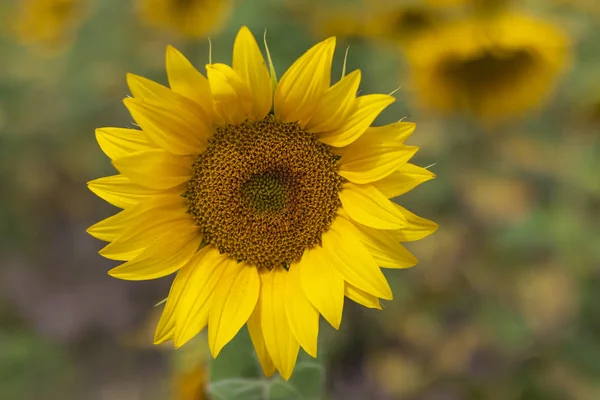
(191, 384)
(401, 22)
(468, 3)
(190, 18)
(269, 199)
(376, 19)
(493, 68)
(48, 24)
(447, 3)
(332, 21)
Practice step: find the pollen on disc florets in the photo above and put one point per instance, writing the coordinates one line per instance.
(264, 192)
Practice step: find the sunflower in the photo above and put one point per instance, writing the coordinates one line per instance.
(401, 22)
(493, 68)
(189, 18)
(331, 21)
(48, 24)
(269, 199)
(378, 19)
(447, 3)
(478, 4)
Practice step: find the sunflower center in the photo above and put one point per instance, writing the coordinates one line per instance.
(491, 67)
(264, 192)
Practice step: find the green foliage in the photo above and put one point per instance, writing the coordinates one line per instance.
(236, 375)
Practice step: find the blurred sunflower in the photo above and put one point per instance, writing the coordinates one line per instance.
(471, 5)
(48, 25)
(335, 22)
(447, 3)
(381, 20)
(401, 22)
(269, 199)
(189, 18)
(493, 68)
(191, 384)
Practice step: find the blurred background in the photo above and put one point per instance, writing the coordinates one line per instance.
(505, 302)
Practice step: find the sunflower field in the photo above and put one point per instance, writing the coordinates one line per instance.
(343, 199)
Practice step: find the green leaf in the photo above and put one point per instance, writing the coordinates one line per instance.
(236, 374)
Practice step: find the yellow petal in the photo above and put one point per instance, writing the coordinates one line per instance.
(416, 227)
(232, 99)
(403, 180)
(177, 129)
(396, 132)
(301, 88)
(145, 232)
(368, 206)
(302, 316)
(121, 142)
(353, 261)
(336, 105)
(322, 284)
(367, 108)
(258, 340)
(281, 343)
(373, 160)
(120, 191)
(166, 325)
(234, 300)
(187, 81)
(112, 227)
(164, 256)
(192, 311)
(384, 248)
(146, 89)
(249, 64)
(377, 153)
(155, 169)
(361, 297)
(163, 209)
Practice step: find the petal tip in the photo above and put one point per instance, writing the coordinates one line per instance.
(131, 78)
(161, 337)
(269, 373)
(91, 230)
(171, 52)
(177, 345)
(112, 272)
(214, 349)
(245, 30)
(129, 101)
(311, 351)
(336, 324)
(286, 375)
